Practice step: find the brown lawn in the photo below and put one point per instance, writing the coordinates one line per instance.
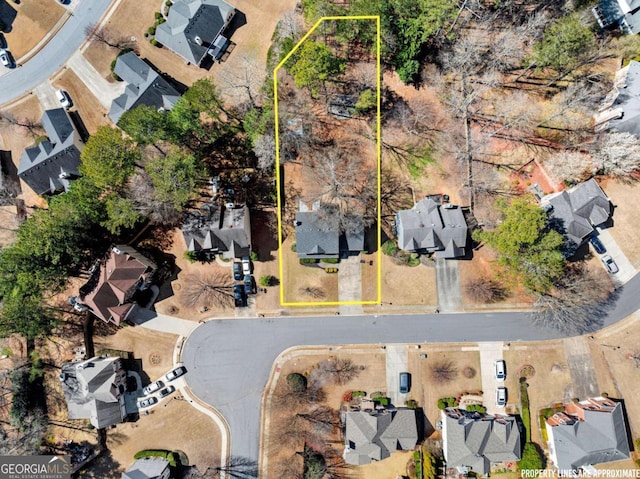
(547, 386)
(372, 378)
(300, 282)
(391, 468)
(625, 196)
(370, 277)
(91, 112)
(426, 390)
(172, 425)
(252, 42)
(404, 285)
(171, 299)
(34, 19)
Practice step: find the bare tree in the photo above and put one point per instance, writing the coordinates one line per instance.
(577, 303)
(140, 190)
(244, 81)
(265, 149)
(618, 154)
(443, 371)
(208, 289)
(321, 418)
(485, 290)
(571, 166)
(339, 371)
(29, 125)
(312, 292)
(108, 37)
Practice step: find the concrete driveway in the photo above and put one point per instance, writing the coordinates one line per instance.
(448, 283)
(397, 359)
(490, 352)
(103, 90)
(626, 269)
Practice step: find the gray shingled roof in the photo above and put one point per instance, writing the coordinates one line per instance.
(579, 210)
(475, 440)
(374, 436)
(315, 238)
(50, 166)
(628, 99)
(614, 13)
(88, 388)
(434, 228)
(216, 228)
(601, 437)
(146, 468)
(144, 87)
(189, 19)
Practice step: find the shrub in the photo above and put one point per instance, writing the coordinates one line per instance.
(359, 394)
(155, 43)
(157, 15)
(253, 256)
(294, 247)
(268, 280)
(531, 458)
(168, 3)
(444, 403)
(151, 453)
(381, 401)
(389, 248)
(308, 261)
(151, 31)
(412, 404)
(413, 260)
(348, 396)
(297, 382)
(367, 101)
(416, 455)
(190, 256)
(331, 260)
(476, 408)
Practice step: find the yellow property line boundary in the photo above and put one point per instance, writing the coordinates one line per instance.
(378, 154)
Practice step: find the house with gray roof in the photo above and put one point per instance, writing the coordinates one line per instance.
(576, 212)
(319, 238)
(144, 87)
(587, 433)
(430, 227)
(148, 468)
(194, 29)
(218, 228)
(473, 441)
(50, 166)
(95, 389)
(622, 14)
(620, 110)
(375, 435)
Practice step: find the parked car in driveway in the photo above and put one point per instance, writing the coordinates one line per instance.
(501, 369)
(610, 264)
(501, 397)
(237, 271)
(146, 402)
(5, 58)
(63, 99)
(163, 393)
(175, 373)
(153, 387)
(238, 295)
(248, 284)
(246, 265)
(597, 245)
(405, 383)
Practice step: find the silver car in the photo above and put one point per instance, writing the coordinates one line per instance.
(501, 397)
(5, 59)
(610, 264)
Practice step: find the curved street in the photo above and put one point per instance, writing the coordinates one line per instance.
(55, 53)
(229, 361)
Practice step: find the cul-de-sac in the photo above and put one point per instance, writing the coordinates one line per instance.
(319, 239)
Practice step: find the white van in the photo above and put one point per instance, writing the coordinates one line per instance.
(501, 370)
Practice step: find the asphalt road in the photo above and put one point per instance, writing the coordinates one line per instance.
(54, 54)
(229, 361)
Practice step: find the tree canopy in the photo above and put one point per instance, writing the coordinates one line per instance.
(526, 245)
(109, 159)
(174, 178)
(313, 64)
(564, 44)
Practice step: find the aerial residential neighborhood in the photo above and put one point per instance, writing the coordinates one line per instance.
(319, 239)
